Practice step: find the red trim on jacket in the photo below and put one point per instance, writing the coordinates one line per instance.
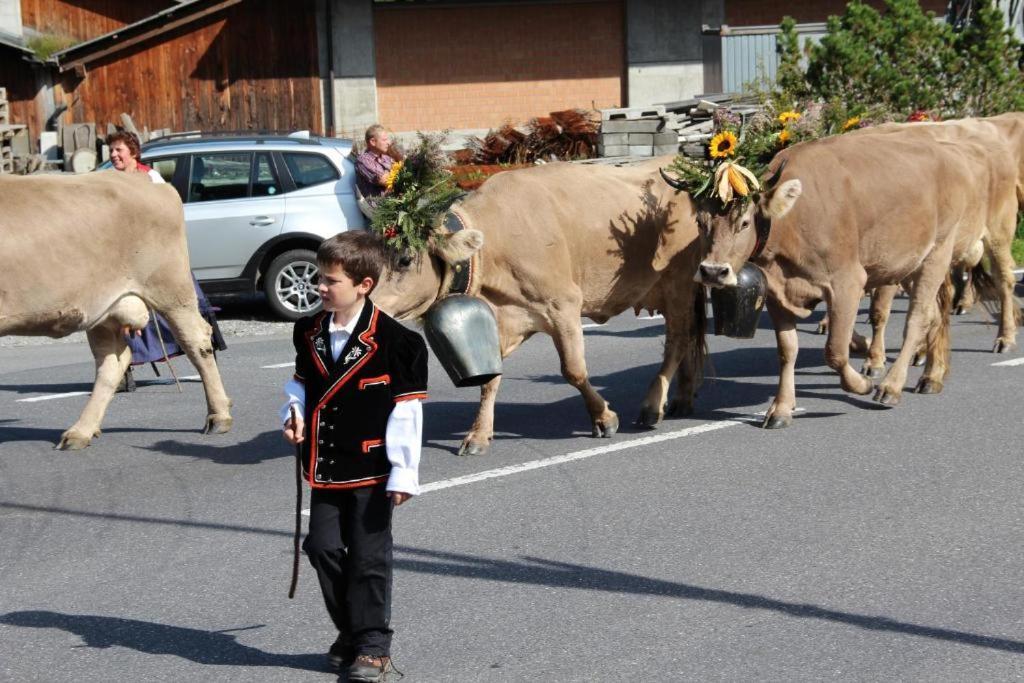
(410, 397)
(372, 443)
(383, 379)
(313, 332)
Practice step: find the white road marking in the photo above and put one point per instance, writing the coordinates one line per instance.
(289, 364)
(586, 325)
(72, 394)
(50, 397)
(1012, 361)
(584, 454)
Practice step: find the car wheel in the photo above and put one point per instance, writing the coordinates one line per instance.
(291, 284)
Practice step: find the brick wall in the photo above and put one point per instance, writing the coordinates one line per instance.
(763, 12)
(480, 67)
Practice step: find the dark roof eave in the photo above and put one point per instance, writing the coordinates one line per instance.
(181, 14)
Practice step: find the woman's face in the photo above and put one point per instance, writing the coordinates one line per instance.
(121, 157)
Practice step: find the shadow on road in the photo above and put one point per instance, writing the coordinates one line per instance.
(202, 647)
(537, 571)
(260, 448)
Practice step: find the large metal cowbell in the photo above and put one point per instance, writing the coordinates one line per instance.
(461, 329)
(736, 310)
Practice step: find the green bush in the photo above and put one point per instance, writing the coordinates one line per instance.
(902, 60)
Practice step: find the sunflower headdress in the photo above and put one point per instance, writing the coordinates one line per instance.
(419, 191)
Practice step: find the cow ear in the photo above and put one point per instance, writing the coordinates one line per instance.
(458, 246)
(780, 200)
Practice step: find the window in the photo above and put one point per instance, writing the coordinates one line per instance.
(265, 183)
(219, 176)
(309, 169)
(165, 167)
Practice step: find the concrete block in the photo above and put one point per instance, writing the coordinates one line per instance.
(641, 138)
(636, 126)
(666, 149)
(613, 150)
(666, 138)
(641, 150)
(614, 138)
(632, 112)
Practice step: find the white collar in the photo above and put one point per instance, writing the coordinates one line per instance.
(334, 327)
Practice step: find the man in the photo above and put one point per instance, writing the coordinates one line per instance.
(372, 165)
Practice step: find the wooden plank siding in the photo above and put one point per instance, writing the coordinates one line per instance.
(19, 77)
(771, 12)
(86, 19)
(253, 66)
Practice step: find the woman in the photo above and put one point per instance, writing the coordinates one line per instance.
(146, 348)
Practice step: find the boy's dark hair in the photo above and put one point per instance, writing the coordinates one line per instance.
(359, 253)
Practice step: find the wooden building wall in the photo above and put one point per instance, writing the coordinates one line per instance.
(86, 19)
(771, 12)
(19, 78)
(229, 71)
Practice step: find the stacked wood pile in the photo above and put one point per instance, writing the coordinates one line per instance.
(664, 128)
(562, 135)
(7, 133)
(471, 176)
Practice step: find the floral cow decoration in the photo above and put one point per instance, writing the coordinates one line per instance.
(419, 191)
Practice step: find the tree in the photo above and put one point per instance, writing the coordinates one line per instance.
(988, 78)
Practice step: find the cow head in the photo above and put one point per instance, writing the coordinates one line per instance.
(730, 234)
(412, 281)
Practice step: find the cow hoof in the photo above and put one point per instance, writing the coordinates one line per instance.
(1003, 346)
(74, 441)
(776, 422)
(680, 408)
(606, 426)
(822, 328)
(918, 360)
(886, 397)
(959, 310)
(649, 418)
(873, 372)
(927, 386)
(473, 448)
(217, 425)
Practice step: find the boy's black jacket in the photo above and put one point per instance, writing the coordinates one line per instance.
(348, 401)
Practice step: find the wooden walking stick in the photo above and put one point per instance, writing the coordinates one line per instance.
(298, 509)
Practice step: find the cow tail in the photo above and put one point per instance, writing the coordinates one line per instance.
(989, 292)
(944, 301)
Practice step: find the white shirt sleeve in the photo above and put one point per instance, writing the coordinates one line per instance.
(155, 176)
(295, 391)
(404, 440)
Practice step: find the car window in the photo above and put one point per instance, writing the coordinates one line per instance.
(165, 167)
(219, 176)
(265, 182)
(309, 169)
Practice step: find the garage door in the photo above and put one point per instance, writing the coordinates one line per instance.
(480, 67)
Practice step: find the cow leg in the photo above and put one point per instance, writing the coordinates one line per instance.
(567, 334)
(780, 412)
(842, 310)
(998, 243)
(881, 307)
(921, 313)
(937, 343)
(684, 355)
(192, 333)
(514, 327)
(112, 355)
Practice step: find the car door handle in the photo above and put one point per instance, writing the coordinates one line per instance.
(262, 220)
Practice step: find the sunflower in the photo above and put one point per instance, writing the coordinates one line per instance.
(851, 122)
(788, 117)
(784, 137)
(389, 181)
(723, 145)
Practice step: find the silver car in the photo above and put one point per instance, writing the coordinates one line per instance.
(257, 207)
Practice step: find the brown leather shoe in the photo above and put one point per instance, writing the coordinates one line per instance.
(369, 669)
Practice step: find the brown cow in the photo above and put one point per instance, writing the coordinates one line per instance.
(553, 243)
(92, 253)
(854, 212)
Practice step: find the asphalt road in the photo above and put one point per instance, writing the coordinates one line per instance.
(863, 543)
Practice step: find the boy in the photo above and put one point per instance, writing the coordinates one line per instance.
(359, 379)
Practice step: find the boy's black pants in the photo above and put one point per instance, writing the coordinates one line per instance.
(350, 547)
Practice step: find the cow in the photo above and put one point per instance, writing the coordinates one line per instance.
(96, 252)
(552, 243)
(852, 212)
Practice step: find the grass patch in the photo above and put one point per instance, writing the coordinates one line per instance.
(1018, 241)
(45, 45)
